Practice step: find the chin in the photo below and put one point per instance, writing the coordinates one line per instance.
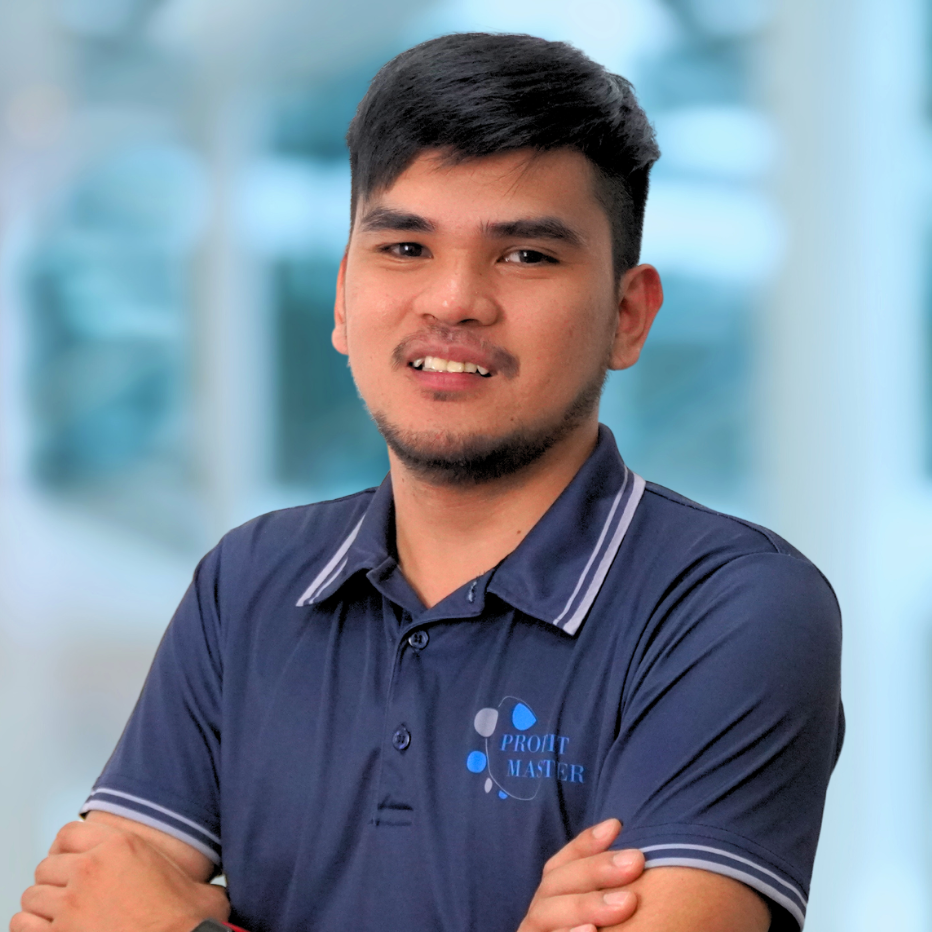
(462, 460)
(470, 459)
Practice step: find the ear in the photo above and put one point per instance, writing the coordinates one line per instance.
(338, 337)
(640, 297)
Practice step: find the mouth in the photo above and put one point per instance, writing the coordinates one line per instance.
(438, 364)
(446, 355)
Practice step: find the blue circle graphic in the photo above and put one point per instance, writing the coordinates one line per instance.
(522, 717)
(502, 794)
(476, 762)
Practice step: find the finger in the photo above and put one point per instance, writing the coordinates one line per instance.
(605, 908)
(598, 872)
(27, 922)
(217, 902)
(56, 869)
(588, 842)
(630, 863)
(42, 900)
(77, 837)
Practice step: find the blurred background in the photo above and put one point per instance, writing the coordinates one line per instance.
(173, 205)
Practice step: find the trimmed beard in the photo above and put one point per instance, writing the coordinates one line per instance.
(479, 458)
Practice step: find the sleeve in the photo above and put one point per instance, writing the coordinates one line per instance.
(730, 726)
(164, 771)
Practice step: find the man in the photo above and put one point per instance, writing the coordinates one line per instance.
(397, 709)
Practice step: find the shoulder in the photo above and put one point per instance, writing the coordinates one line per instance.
(712, 578)
(674, 537)
(693, 576)
(670, 512)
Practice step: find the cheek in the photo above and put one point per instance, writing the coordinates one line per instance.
(368, 319)
(576, 334)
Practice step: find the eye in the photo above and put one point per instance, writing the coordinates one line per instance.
(529, 257)
(406, 250)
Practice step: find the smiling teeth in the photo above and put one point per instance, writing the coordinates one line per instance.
(436, 364)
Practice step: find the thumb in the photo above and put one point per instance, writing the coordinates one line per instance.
(78, 837)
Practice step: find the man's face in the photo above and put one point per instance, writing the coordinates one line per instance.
(479, 310)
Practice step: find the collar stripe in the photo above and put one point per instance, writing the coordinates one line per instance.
(595, 550)
(571, 626)
(331, 570)
(331, 578)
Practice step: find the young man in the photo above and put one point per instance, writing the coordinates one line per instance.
(390, 710)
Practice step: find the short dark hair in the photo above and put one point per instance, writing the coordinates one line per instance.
(476, 94)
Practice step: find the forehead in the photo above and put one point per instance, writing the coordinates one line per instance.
(505, 186)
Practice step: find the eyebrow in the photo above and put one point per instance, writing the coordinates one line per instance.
(384, 218)
(536, 228)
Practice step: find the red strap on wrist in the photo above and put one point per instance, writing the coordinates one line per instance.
(230, 925)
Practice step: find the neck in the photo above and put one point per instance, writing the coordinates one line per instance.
(447, 535)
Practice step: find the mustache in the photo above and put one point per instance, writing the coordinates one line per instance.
(494, 357)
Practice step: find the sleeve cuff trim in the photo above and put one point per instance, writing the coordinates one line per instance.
(177, 817)
(791, 905)
(797, 893)
(153, 821)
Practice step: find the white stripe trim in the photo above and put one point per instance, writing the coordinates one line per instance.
(627, 515)
(331, 577)
(595, 550)
(756, 883)
(735, 857)
(137, 816)
(157, 808)
(324, 576)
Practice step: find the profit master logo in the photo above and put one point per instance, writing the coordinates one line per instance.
(518, 753)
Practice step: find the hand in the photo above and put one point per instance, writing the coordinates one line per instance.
(579, 889)
(98, 878)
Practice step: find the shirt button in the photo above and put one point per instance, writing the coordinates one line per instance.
(418, 639)
(401, 738)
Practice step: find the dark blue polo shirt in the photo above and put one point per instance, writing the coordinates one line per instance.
(356, 761)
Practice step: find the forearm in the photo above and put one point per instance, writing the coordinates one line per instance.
(106, 875)
(685, 899)
(192, 862)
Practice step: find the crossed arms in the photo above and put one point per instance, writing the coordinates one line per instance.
(111, 874)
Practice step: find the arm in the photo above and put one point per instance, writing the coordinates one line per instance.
(728, 734)
(118, 875)
(585, 888)
(581, 885)
(684, 899)
(111, 874)
(192, 862)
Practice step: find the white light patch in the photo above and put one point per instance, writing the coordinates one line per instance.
(294, 207)
(712, 231)
(615, 33)
(733, 17)
(726, 142)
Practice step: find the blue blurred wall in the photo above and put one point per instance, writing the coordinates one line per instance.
(173, 207)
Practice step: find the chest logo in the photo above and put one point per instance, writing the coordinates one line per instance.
(518, 753)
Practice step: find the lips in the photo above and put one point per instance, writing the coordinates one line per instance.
(443, 346)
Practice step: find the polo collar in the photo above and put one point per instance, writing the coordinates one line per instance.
(553, 575)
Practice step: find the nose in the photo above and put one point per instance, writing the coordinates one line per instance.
(460, 292)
